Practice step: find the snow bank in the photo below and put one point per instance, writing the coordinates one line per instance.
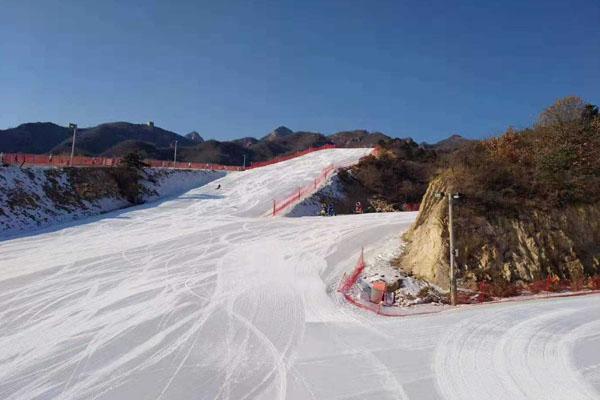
(36, 197)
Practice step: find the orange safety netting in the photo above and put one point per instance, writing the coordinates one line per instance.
(300, 193)
(82, 161)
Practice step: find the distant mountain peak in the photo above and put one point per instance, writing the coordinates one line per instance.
(451, 143)
(39, 124)
(194, 137)
(278, 132)
(283, 130)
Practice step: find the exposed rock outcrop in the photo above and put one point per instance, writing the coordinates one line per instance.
(523, 247)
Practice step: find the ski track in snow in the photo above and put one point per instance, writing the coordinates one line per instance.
(202, 297)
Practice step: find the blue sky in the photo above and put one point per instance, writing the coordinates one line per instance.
(240, 68)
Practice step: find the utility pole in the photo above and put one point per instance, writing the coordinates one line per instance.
(74, 127)
(244, 166)
(175, 155)
(453, 252)
(451, 234)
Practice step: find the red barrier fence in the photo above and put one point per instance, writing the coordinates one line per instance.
(504, 291)
(411, 207)
(348, 282)
(59, 161)
(81, 161)
(299, 193)
(192, 165)
(549, 288)
(290, 156)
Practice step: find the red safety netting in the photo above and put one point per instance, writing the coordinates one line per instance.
(81, 161)
(349, 281)
(549, 288)
(300, 193)
(54, 160)
(280, 205)
(192, 165)
(411, 206)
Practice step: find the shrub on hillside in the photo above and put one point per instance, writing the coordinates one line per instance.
(133, 161)
(400, 174)
(553, 164)
(128, 176)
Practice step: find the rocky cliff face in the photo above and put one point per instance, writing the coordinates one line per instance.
(524, 247)
(426, 251)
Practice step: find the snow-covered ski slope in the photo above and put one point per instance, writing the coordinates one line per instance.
(203, 297)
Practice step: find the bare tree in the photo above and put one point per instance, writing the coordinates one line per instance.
(566, 110)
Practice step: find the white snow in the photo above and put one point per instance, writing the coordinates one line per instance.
(46, 213)
(201, 296)
(378, 267)
(170, 182)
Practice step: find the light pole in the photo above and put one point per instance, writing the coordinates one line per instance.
(175, 155)
(74, 127)
(453, 252)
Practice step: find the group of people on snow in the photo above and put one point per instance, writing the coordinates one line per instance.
(328, 210)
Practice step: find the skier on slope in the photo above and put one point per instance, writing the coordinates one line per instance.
(218, 186)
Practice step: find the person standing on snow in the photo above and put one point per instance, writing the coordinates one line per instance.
(323, 209)
(331, 210)
(358, 208)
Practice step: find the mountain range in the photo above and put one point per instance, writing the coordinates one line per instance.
(118, 138)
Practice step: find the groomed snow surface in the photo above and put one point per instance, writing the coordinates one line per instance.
(203, 297)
